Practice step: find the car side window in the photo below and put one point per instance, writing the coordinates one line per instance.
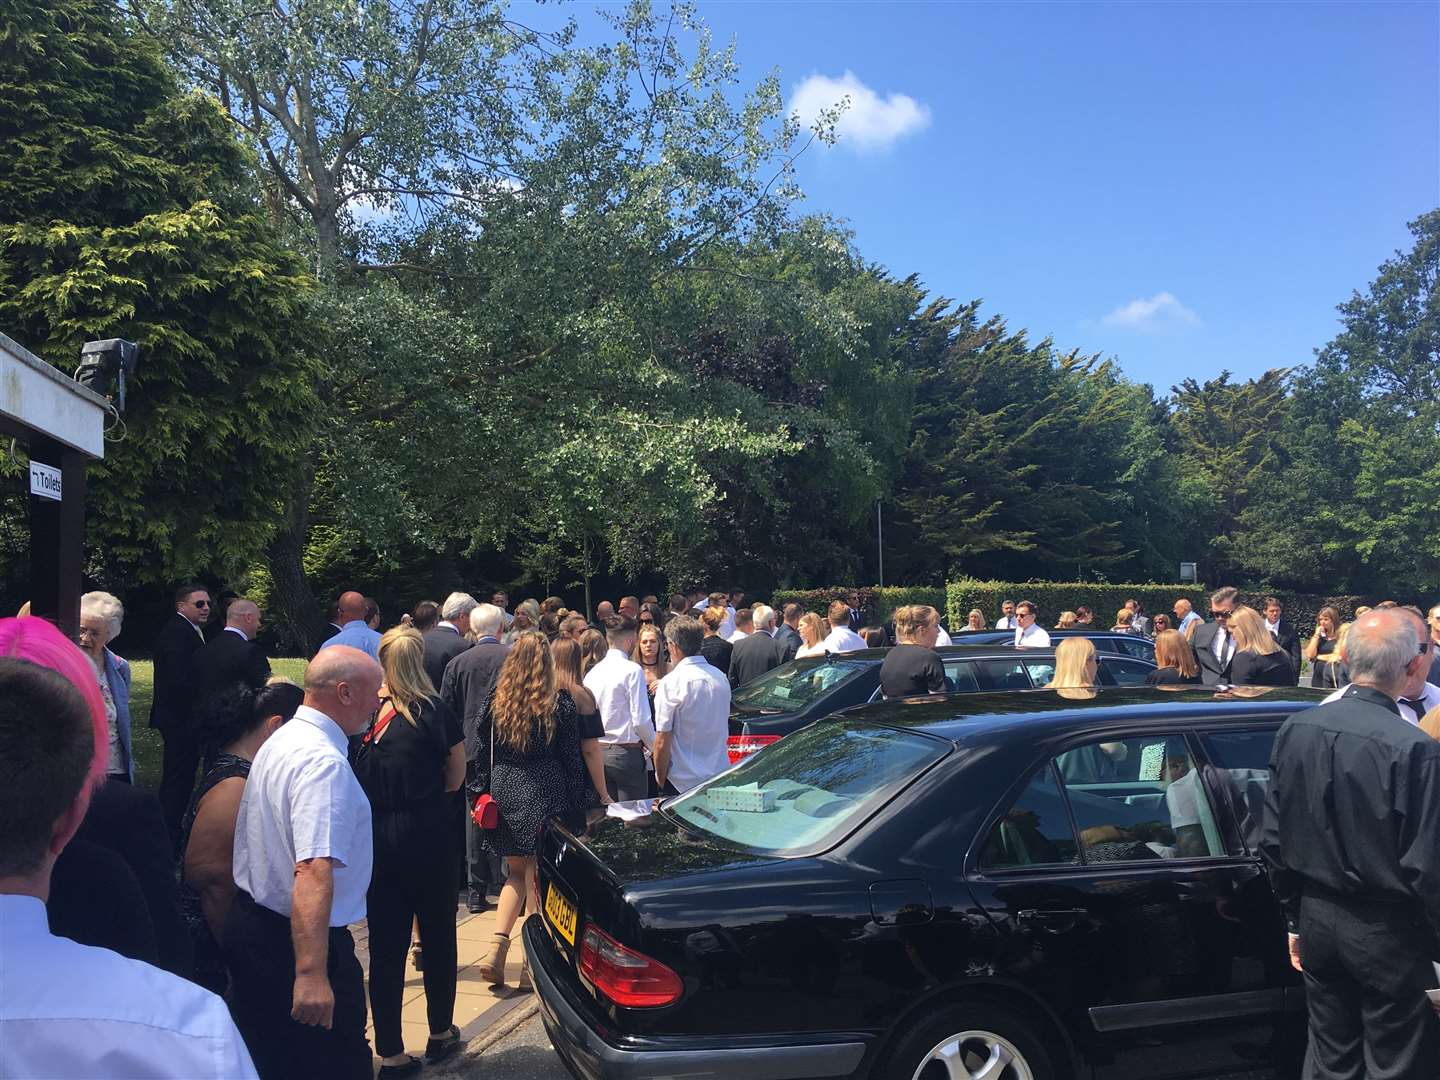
(1035, 831)
(1137, 799)
(1125, 671)
(1241, 769)
(1001, 675)
(961, 678)
(1136, 646)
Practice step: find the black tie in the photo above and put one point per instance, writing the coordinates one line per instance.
(1418, 704)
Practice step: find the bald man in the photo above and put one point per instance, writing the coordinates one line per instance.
(230, 658)
(302, 864)
(354, 631)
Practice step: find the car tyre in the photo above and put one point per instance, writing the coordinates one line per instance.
(970, 1042)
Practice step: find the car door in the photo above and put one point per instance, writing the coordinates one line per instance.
(1124, 917)
(1123, 671)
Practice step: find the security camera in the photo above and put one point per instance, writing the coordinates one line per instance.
(106, 364)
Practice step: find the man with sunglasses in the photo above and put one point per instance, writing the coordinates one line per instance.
(172, 709)
(1213, 643)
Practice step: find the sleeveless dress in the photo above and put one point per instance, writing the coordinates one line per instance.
(210, 970)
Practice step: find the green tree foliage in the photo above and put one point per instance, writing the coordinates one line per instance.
(126, 210)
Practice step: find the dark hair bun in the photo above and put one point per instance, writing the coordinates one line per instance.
(240, 709)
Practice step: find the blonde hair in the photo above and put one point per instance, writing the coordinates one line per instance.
(1124, 617)
(662, 659)
(1071, 658)
(525, 692)
(1067, 620)
(402, 656)
(812, 628)
(1172, 650)
(975, 613)
(1250, 633)
(713, 617)
(1430, 723)
(914, 618)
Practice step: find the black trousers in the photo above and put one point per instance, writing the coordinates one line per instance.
(261, 958)
(1367, 967)
(482, 867)
(413, 878)
(177, 779)
(625, 774)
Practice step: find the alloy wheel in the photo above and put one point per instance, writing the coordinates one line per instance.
(974, 1055)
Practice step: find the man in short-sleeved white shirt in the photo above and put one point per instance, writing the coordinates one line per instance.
(624, 703)
(841, 638)
(70, 1010)
(692, 713)
(302, 861)
(1029, 634)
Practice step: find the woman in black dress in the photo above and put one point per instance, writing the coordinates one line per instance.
(529, 760)
(566, 653)
(1175, 661)
(232, 732)
(1259, 659)
(409, 763)
(1320, 650)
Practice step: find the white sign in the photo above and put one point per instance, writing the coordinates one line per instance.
(44, 481)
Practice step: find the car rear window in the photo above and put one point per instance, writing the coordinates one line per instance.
(809, 789)
(794, 686)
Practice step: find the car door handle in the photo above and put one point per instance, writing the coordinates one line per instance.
(1052, 919)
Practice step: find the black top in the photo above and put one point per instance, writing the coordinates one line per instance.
(716, 651)
(405, 768)
(911, 669)
(469, 678)
(752, 657)
(175, 651)
(222, 662)
(442, 644)
(1252, 669)
(1353, 807)
(1169, 676)
(209, 963)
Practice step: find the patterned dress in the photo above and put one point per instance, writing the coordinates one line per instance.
(210, 970)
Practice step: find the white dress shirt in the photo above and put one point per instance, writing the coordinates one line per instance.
(843, 639)
(1222, 646)
(69, 1010)
(737, 635)
(1429, 695)
(618, 684)
(941, 637)
(1005, 622)
(692, 703)
(302, 801)
(818, 649)
(1037, 637)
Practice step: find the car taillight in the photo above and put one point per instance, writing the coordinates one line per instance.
(742, 746)
(625, 976)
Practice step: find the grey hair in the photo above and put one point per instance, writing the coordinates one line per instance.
(685, 633)
(108, 607)
(1379, 648)
(762, 616)
(457, 605)
(486, 620)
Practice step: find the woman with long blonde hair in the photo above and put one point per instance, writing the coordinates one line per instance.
(975, 620)
(1259, 659)
(812, 635)
(568, 677)
(650, 654)
(530, 732)
(1076, 667)
(409, 763)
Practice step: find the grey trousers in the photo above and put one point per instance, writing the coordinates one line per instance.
(625, 773)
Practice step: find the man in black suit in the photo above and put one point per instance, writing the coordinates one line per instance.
(1283, 632)
(172, 708)
(469, 679)
(753, 656)
(447, 640)
(232, 656)
(1213, 643)
(787, 634)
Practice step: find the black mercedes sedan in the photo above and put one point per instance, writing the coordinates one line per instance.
(1020, 886)
(802, 691)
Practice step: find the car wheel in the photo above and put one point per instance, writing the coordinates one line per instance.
(970, 1042)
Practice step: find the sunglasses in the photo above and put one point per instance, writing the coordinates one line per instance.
(1220, 614)
(201, 603)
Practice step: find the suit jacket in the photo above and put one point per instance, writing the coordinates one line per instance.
(441, 646)
(469, 680)
(1252, 669)
(753, 656)
(1289, 640)
(789, 641)
(222, 662)
(172, 707)
(1211, 671)
(123, 826)
(117, 675)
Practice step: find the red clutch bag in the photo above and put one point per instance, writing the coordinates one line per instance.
(486, 812)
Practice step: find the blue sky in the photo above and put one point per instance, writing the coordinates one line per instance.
(1186, 187)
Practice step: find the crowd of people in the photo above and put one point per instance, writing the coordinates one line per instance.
(415, 765)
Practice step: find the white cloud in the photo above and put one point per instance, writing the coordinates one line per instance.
(869, 122)
(1160, 312)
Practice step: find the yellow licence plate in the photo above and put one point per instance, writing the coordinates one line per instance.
(561, 913)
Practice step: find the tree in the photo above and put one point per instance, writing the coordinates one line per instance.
(127, 211)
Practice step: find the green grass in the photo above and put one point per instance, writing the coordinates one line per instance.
(145, 741)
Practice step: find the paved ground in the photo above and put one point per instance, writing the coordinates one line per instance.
(524, 1054)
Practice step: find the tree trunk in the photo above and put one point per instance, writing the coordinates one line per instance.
(294, 610)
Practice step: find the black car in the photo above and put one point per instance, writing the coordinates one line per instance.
(802, 691)
(1019, 886)
(1105, 640)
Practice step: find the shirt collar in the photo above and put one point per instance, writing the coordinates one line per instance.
(491, 638)
(237, 630)
(616, 652)
(361, 623)
(192, 625)
(696, 659)
(327, 726)
(446, 624)
(22, 917)
(1373, 696)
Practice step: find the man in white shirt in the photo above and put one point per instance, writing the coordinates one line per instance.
(692, 713)
(619, 688)
(1418, 696)
(302, 864)
(1186, 618)
(744, 626)
(841, 638)
(1007, 616)
(1028, 633)
(70, 1010)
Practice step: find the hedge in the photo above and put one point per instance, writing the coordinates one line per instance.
(1052, 597)
(877, 603)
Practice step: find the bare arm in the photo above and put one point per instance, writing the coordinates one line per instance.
(595, 767)
(1312, 647)
(314, 1000)
(209, 855)
(455, 767)
(662, 757)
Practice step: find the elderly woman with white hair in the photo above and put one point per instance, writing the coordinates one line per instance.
(101, 616)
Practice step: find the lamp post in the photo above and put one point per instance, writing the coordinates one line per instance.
(880, 542)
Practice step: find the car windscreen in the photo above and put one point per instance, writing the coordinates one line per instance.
(794, 686)
(809, 789)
